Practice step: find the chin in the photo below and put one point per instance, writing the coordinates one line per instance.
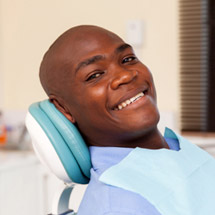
(141, 124)
(148, 121)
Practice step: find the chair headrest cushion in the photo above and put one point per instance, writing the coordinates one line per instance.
(58, 144)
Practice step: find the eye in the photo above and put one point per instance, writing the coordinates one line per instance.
(129, 59)
(94, 75)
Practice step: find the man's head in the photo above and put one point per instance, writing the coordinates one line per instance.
(94, 78)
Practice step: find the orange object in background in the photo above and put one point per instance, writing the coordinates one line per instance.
(3, 131)
(3, 135)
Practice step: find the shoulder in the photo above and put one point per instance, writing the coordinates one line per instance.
(102, 199)
(127, 202)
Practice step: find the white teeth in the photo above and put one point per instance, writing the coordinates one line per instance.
(132, 99)
(129, 101)
(119, 107)
(124, 104)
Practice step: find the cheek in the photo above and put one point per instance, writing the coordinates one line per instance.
(96, 94)
(154, 94)
(91, 102)
(150, 79)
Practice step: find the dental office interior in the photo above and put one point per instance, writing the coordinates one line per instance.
(169, 36)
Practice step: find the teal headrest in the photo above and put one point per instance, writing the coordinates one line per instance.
(64, 138)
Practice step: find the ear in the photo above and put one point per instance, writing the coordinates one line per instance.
(62, 109)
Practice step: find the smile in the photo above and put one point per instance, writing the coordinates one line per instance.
(129, 101)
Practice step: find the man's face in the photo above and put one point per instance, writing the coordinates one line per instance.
(109, 92)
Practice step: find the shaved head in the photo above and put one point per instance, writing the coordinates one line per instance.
(57, 63)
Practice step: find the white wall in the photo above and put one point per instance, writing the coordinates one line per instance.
(29, 27)
(1, 60)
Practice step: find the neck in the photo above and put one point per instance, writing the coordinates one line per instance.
(153, 140)
(149, 140)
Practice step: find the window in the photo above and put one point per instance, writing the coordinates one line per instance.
(197, 65)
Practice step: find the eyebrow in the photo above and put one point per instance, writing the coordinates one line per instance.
(122, 47)
(89, 61)
(96, 58)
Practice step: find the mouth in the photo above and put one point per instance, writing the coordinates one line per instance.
(130, 101)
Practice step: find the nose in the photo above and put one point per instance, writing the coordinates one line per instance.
(123, 77)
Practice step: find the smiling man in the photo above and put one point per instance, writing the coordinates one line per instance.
(94, 78)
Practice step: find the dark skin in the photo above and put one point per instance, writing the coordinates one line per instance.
(88, 73)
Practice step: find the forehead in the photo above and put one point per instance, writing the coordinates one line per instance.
(87, 42)
(98, 42)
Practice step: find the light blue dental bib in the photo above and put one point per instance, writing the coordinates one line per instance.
(175, 182)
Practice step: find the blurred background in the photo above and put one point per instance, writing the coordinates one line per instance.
(172, 37)
(29, 28)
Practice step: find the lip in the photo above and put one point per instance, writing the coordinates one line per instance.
(131, 94)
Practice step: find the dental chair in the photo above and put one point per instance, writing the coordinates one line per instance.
(59, 145)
